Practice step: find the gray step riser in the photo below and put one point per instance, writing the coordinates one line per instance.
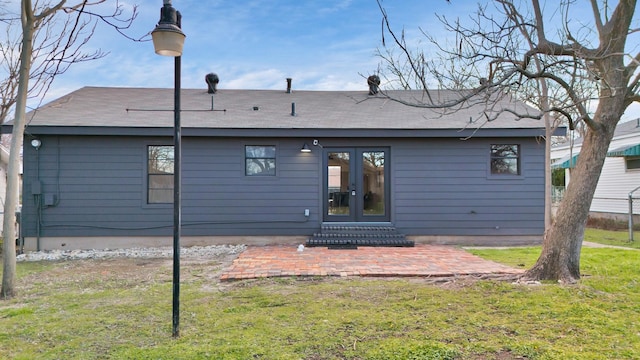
(351, 236)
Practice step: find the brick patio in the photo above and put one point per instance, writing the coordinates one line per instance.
(421, 260)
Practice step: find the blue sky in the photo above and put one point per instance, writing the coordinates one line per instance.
(257, 44)
(322, 45)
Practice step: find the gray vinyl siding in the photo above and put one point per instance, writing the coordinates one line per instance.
(439, 186)
(219, 199)
(444, 187)
(100, 186)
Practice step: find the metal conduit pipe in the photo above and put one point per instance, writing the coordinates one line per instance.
(631, 213)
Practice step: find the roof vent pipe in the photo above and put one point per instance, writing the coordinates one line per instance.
(289, 85)
(212, 81)
(293, 109)
(374, 82)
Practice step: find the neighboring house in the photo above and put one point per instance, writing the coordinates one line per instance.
(620, 173)
(102, 176)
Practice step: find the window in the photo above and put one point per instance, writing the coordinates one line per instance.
(260, 160)
(505, 159)
(633, 163)
(160, 175)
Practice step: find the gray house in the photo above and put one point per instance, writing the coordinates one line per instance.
(268, 166)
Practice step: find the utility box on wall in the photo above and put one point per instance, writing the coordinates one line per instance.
(49, 200)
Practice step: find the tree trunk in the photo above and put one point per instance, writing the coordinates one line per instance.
(560, 258)
(562, 244)
(548, 184)
(548, 134)
(9, 277)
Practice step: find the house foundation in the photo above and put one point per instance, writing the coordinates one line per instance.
(120, 242)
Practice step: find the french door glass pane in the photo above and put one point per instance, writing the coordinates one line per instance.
(373, 182)
(338, 183)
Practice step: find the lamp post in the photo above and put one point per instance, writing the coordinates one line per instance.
(168, 40)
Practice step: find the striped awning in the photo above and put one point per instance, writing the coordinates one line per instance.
(566, 162)
(627, 150)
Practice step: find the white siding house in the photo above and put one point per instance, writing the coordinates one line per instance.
(620, 174)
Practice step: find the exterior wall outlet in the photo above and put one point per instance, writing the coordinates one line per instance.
(306, 212)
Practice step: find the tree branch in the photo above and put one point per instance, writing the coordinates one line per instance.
(48, 11)
(577, 101)
(402, 45)
(547, 47)
(114, 19)
(596, 15)
(631, 68)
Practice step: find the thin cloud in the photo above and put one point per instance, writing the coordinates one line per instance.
(257, 44)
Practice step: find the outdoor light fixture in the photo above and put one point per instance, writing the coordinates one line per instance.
(36, 143)
(305, 148)
(168, 40)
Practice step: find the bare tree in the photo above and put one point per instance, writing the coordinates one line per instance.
(49, 41)
(505, 49)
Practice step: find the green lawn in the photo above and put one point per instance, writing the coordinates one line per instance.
(121, 309)
(617, 238)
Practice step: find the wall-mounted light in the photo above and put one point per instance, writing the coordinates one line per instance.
(305, 148)
(36, 143)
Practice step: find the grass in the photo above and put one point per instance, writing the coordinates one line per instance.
(616, 238)
(121, 309)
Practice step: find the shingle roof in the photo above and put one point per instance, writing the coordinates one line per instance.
(265, 109)
(627, 129)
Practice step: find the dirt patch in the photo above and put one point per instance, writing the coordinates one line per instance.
(125, 272)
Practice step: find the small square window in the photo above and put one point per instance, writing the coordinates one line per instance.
(260, 160)
(505, 159)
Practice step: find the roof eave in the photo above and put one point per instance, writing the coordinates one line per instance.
(281, 132)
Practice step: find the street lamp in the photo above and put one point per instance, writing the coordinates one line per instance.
(168, 40)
